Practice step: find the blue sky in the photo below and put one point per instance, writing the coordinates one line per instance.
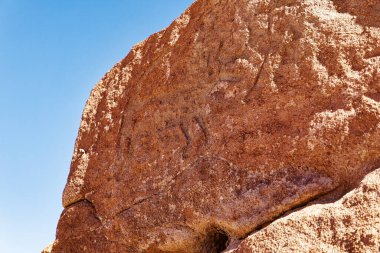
(51, 55)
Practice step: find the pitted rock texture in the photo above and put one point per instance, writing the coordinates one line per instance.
(351, 224)
(239, 111)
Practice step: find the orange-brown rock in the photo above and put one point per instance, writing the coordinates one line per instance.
(351, 224)
(238, 112)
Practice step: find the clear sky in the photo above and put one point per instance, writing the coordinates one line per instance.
(51, 54)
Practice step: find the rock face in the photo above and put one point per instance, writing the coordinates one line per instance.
(238, 112)
(351, 224)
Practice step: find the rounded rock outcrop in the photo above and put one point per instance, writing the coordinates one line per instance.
(239, 111)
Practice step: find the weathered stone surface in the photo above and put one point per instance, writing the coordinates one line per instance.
(239, 111)
(351, 224)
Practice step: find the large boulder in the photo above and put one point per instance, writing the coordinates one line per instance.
(239, 111)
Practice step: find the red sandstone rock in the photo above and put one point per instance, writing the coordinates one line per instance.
(238, 112)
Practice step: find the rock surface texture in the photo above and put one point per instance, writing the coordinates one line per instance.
(241, 111)
(351, 224)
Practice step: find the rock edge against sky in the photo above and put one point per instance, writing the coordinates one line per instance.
(243, 126)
